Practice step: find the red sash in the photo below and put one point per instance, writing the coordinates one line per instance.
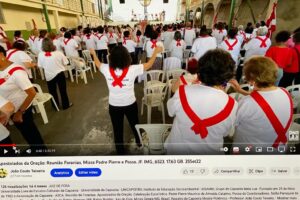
(118, 80)
(66, 41)
(178, 43)
(31, 38)
(48, 54)
(99, 37)
(263, 42)
(244, 34)
(221, 31)
(200, 125)
(138, 39)
(11, 53)
(10, 72)
(230, 46)
(153, 44)
(88, 36)
(111, 35)
(273, 119)
(183, 80)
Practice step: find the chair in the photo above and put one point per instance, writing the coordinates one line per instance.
(155, 135)
(175, 73)
(294, 90)
(80, 68)
(34, 60)
(154, 96)
(154, 76)
(171, 63)
(170, 84)
(88, 59)
(39, 101)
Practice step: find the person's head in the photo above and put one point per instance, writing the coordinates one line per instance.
(296, 38)
(232, 33)
(192, 66)
(35, 32)
(154, 35)
(203, 31)
(17, 34)
(79, 28)
(216, 67)
(73, 32)
(262, 23)
(100, 29)
(110, 29)
(51, 35)
(43, 33)
(240, 27)
(62, 29)
(188, 24)
(260, 71)
(177, 35)
(119, 58)
(220, 26)
(126, 34)
(249, 30)
(257, 25)
(68, 35)
(262, 31)
(20, 45)
(95, 30)
(47, 45)
(296, 30)
(138, 33)
(148, 31)
(282, 36)
(86, 31)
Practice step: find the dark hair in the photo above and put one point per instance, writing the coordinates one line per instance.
(126, 34)
(79, 28)
(249, 24)
(249, 30)
(43, 33)
(119, 58)
(47, 45)
(20, 45)
(262, 23)
(17, 34)
(203, 31)
(73, 31)
(232, 33)
(296, 38)
(220, 26)
(148, 31)
(138, 33)
(154, 35)
(192, 66)
(216, 67)
(51, 35)
(2, 50)
(95, 30)
(296, 30)
(67, 35)
(100, 29)
(63, 29)
(282, 36)
(86, 31)
(177, 35)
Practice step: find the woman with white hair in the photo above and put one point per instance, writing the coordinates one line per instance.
(259, 45)
(241, 35)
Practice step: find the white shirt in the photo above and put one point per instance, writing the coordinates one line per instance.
(177, 50)
(38, 45)
(101, 42)
(253, 47)
(139, 41)
(202, 45)
(189, 78)
(150, 50)
(30, 42)
(53, 64)
(205, 102)
(252, 125)
(219, 35)
(189, 36)
(3, 131)
(70, 46)
(13, 89)
(58, 44)
(78, 40)
(167, 38)
(122, 96)
(235, 52)
(130, 45)
(20, 57)
(112, 38)
(90, 42)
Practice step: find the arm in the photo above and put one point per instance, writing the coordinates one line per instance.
(5, 112)
(17, 117)
(237, 88)
(96, 60)
(176, 85)
(149, 64)
(29, 64)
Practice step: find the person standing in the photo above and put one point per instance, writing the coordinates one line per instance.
(101, 45)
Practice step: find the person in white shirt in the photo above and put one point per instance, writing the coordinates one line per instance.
(119, 32)
(120, 76)
(254, 33)
(130, 45)
(6, 110)
(78, 40)
(259, 45)
(16, 87)
(177, 46)
(150, 47)
(112, 38)
(18, 36)
(189, 35)
(53, 62)
(88, 39)
(101, 45)
(203, 43)
(39, 40)
(56, 41)
(31, 40)
(265, 115)
(70, 46)
(167, 37)
(232, 45)
(18, 55)
(139, 45)
(220, 33)
(204, 113)
(241, 35)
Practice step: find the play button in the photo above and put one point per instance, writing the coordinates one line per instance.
(5, 151)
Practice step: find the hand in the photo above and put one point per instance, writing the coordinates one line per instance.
(18, 117)
(93, 52)
(235, 85)
(3, 118)
(158, 50)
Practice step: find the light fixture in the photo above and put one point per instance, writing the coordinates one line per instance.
(145, 3)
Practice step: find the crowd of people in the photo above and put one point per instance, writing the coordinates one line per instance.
(203, 111)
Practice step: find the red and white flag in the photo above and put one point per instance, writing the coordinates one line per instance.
(271, 21)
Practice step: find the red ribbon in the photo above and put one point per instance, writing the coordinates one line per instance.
(48, 54)
(153, 44)
(263, 42)
(230, 46)
(178, 43)
(111, 35)
(66, 41)
(118, 80)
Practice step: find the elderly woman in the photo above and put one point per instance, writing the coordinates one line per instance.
(53, 62)
(265, 115)
(204, 113)
(16, 87)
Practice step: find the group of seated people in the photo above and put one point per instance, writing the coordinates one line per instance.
(203, 113)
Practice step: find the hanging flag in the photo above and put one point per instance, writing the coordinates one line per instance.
(271, 21)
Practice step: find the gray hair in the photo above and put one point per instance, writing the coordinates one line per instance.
(47, 45)
(262, 31)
